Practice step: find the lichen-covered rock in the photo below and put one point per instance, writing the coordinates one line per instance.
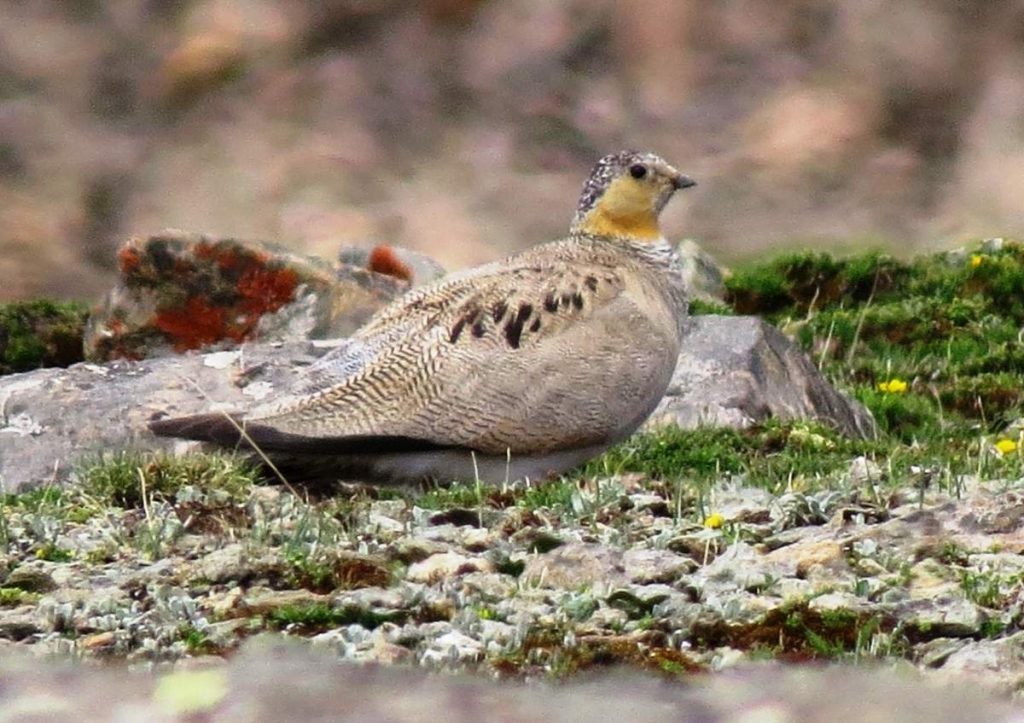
(180, 291)
(396, 261)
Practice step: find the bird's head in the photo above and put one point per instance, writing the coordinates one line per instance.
(624, 195)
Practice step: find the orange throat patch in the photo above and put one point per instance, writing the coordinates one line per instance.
(639, 226)
(626, 209)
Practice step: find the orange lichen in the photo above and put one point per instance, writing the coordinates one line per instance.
(204, 250)
(228, 259)
(264, 290)
(128, 259)
(256, 286)
(384, 260)
(193, 325)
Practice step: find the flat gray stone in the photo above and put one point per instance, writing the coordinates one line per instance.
(51, 419)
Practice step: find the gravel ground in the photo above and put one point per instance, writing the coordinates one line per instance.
(911, 579)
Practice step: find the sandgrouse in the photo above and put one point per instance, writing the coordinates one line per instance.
(521, 368)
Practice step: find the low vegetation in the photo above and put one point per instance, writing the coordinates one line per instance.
(932, 347)
(36, 334)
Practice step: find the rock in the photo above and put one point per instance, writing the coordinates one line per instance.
(576, 565)
(993, 665)
(810, 554)
(444, 565)
(19, 623)
(233, 563)
(32, 577)
(649, 566)
(735, 371)
(452, 647)
(948, 617)
(396, 261)
(704, 278)
(263, 602)
(180, 291)
(84, 410)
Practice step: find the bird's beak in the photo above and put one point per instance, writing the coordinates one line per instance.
(679, 182)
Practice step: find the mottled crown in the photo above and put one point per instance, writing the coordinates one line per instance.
(605, 171)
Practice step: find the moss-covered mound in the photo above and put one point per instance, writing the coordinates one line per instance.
(36, 334)
(933, 345)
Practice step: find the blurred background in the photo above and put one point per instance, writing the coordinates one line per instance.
(464, 128)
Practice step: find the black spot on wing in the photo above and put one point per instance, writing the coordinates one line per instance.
(577, 300)
(535, 326)
(550, 303)
(591, 283)
(514, 327)
(471, 317)
(457, 327)
(498, 311)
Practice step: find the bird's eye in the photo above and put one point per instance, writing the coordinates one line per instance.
(638, 170)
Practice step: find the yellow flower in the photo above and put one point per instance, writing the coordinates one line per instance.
(714, 520)
(893, 386)
(1006, 446)
(976, 260)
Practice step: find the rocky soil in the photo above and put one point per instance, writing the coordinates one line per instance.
(530, 585)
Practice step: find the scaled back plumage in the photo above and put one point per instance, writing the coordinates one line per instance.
(522, 367)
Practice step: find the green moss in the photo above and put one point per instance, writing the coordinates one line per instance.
(195, 640)
(35, 500)
(948, 324)
(54, 553)
(699, 308)
(12, 597)
(327, 571)
(35, 334)
(672, 452)
(554, 494)
(121, 479)
(457, 494)
(320, 616)
(797, 283)
(770, 455)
